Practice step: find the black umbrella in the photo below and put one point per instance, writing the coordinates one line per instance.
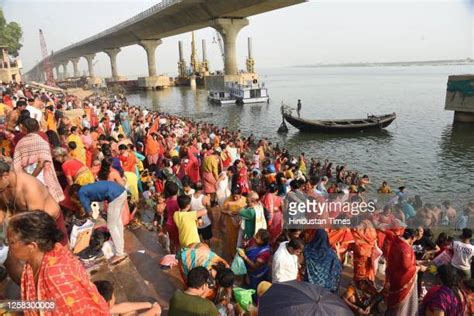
(300, 299)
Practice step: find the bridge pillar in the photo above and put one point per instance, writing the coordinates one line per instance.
(150, 47)
(75, 62)
(112, 53)
(229, 28)
(64, 64)
(90, 63)
(58, 73)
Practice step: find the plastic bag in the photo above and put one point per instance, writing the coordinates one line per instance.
(243, 297)
(443, 258)
(238, 266)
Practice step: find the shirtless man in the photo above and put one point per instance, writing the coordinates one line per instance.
(20, 192)
(13, 116)
(450, 212)
(426, 217)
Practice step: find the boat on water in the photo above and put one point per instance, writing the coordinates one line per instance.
(220, 97)
(372, 122)
(241, 93)
(248, 92)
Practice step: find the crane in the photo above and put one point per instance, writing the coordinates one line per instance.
(218, 38)
(46, 63)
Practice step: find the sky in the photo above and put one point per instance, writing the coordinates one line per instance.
(316, 32)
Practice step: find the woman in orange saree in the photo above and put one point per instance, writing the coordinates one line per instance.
(51, 272)
(231, 209)
(365, 239)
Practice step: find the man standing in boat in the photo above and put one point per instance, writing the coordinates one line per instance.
(298, 107)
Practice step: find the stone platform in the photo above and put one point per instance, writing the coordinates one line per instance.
(155, 82)
(460, 98)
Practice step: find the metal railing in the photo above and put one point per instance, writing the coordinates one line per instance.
(139, 17)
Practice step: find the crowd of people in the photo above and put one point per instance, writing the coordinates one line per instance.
(220, 202)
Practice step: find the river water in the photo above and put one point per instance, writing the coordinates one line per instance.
(421, 150)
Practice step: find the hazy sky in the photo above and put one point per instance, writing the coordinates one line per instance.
(319, 31)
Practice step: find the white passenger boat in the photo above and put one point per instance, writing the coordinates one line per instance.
(249, 92)
(221, 97)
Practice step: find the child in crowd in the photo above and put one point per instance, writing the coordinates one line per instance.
(160, 220)
(106, 289)
(186, 221)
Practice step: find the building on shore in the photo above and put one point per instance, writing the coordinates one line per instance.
(9, 69)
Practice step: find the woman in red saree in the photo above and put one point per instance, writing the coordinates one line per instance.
(51, 272)
(402, 276)
(242, 176)
(273, 203)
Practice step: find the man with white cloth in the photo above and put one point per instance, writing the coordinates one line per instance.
(285, 260)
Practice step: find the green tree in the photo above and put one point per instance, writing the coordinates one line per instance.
(10, 35)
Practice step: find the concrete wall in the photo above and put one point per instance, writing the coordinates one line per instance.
(460, 98)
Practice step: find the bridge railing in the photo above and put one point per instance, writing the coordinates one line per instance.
(141, 16)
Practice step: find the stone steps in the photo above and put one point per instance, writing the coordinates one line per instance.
(140, 278)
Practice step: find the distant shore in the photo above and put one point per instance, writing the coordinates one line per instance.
(467, 61)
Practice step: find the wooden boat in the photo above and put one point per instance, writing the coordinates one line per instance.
(372, 122)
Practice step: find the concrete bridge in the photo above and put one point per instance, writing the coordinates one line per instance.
(167, 18)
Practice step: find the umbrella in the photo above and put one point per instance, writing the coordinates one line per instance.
(301, 299)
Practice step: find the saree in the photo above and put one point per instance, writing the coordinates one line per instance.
(323, 267)
(132, 185)
(31, 149)
(342, 236)
(402, 278)
(197, 255)
(254, 253)
(210, 173)
(80, 152)
(62, 279)
(87, 141)
(442, 298)
(84, 177)
(125, 124)
(242, 180)
(231, 225)
(210, 183)
(365, 238)
(273, 204)
(50, 121)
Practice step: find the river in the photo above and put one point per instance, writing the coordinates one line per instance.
(421, 150)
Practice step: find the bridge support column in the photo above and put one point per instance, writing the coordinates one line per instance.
(150, 48)
(229, 28)
(90, 64)
(112, 53)
(153, 81)
(75, 62)
(58, 73)
(64, 64)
